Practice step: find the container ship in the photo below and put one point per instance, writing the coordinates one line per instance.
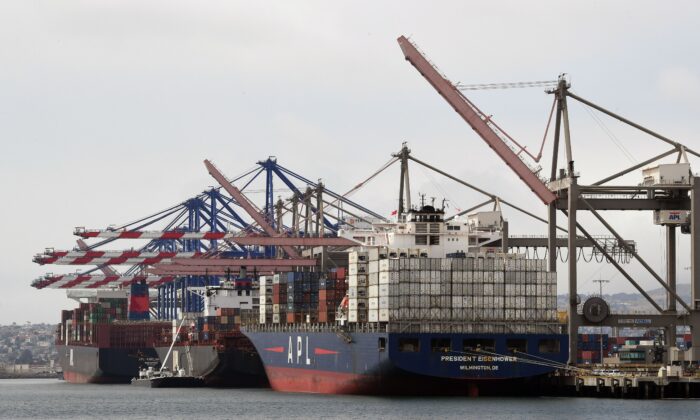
(106, 339)
(418, 313)
(210, 345)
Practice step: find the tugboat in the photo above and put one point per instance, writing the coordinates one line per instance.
(164, 378)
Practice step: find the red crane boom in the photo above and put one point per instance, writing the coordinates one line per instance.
(474, 118)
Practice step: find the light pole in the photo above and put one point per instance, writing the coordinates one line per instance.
(600, 283)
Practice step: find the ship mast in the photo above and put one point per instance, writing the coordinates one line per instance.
(404, 184)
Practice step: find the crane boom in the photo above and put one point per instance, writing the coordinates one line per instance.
(247, 206)
(152, 234)
(108, 257)
(86, 281)
(106, 269)
(467, 111)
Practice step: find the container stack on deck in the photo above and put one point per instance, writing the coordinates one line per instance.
(104, 324)
(84, 320)
(480, 289)
(267, 291)
(300, 297)
(208, 328)
(331, 292)
(358, 282)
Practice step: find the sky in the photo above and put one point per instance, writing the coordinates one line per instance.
(107, 109)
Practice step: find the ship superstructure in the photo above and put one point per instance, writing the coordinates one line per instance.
(425, 228)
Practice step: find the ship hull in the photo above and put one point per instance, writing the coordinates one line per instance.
(376, 363)
(219, 366)
(95, 365)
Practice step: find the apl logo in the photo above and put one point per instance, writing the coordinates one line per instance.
(674, 216)
(299, 352)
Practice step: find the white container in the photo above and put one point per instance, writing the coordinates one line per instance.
(357, 292)
(356, 280)
(424, 289)
(373, 291)
(357, 304)
(384, 315)
(667, 174)
(357, 256)
(671, 217)
(373, 315)
(383, 277)
(373, 267)
(357, 268)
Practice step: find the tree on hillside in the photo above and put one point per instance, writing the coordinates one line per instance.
(26, 357)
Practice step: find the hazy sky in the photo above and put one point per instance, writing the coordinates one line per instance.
(108, 108)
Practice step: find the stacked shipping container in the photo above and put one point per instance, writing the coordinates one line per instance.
(104, 324)
(589, 346)
(302, 297)
(358, 285)
(80, 324)
(298, 297)
(331, 292)
(208, 328)
(480, 288)
(269, 287)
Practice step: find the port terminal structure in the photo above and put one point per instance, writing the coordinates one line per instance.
(210, 236)
(669, 190)
(222, 233)
(218, 234)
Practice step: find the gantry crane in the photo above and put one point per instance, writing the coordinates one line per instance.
(562, 192)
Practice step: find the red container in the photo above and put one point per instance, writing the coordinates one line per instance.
(324, 316)
(590, 355)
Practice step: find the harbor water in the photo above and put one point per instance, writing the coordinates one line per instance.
(48, 399)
